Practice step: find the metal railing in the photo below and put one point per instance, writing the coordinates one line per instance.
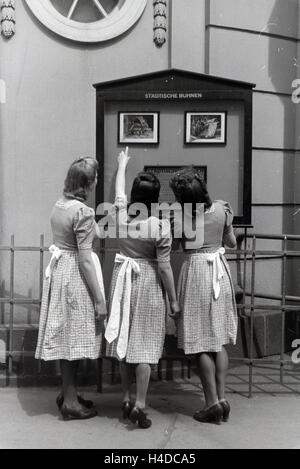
(248, 307)
(12, 300)
(254, 307)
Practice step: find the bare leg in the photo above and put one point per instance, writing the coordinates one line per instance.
(69, 373)
(221, 361)
(207, 371)
(143, 372)
(126, 372)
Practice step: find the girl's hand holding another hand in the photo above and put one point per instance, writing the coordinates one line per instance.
(100, 310)
(175, 310)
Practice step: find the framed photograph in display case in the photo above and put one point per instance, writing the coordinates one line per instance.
(205, 127)
(138, 127)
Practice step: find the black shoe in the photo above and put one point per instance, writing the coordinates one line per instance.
(212, 415)
(226, 410)
(127, 407)
(137, 415)
(83, 402)
(77, 414)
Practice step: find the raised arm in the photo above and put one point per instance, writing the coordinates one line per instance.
(123, 159)
(108, 219)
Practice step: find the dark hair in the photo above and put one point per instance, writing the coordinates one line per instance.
(145, 189)
(80, 177)
(189, 187)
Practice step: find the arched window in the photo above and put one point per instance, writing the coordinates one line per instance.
(88, 20)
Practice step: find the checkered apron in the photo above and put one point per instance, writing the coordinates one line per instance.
(206, 323)
(68, 329)
(147, 320)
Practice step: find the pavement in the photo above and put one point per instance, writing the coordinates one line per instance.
(29, 418)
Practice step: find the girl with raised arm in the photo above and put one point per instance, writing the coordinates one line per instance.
(73, 304)
(141, 277)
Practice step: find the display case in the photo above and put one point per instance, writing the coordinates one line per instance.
(177, 118)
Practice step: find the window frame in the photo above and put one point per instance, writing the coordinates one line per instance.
(115, 24)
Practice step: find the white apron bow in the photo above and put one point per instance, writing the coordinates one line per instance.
(218, 270)
(121, 297)
(56, 254)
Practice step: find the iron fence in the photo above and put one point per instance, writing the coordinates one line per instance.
(245, 256)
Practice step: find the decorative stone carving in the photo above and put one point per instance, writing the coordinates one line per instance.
(160, 22)
(8, 17)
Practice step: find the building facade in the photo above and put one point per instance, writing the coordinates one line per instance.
(48, 107)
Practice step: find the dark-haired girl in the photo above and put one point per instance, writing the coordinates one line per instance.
(142, 274)
(208, 320)
(73, 305)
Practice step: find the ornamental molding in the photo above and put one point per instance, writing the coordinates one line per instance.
(160, 22)
(8, 17)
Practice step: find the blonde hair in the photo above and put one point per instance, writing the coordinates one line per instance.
(80, 177)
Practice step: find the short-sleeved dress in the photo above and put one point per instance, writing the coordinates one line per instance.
(207, 323)
(147, 321)
(68, 329)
